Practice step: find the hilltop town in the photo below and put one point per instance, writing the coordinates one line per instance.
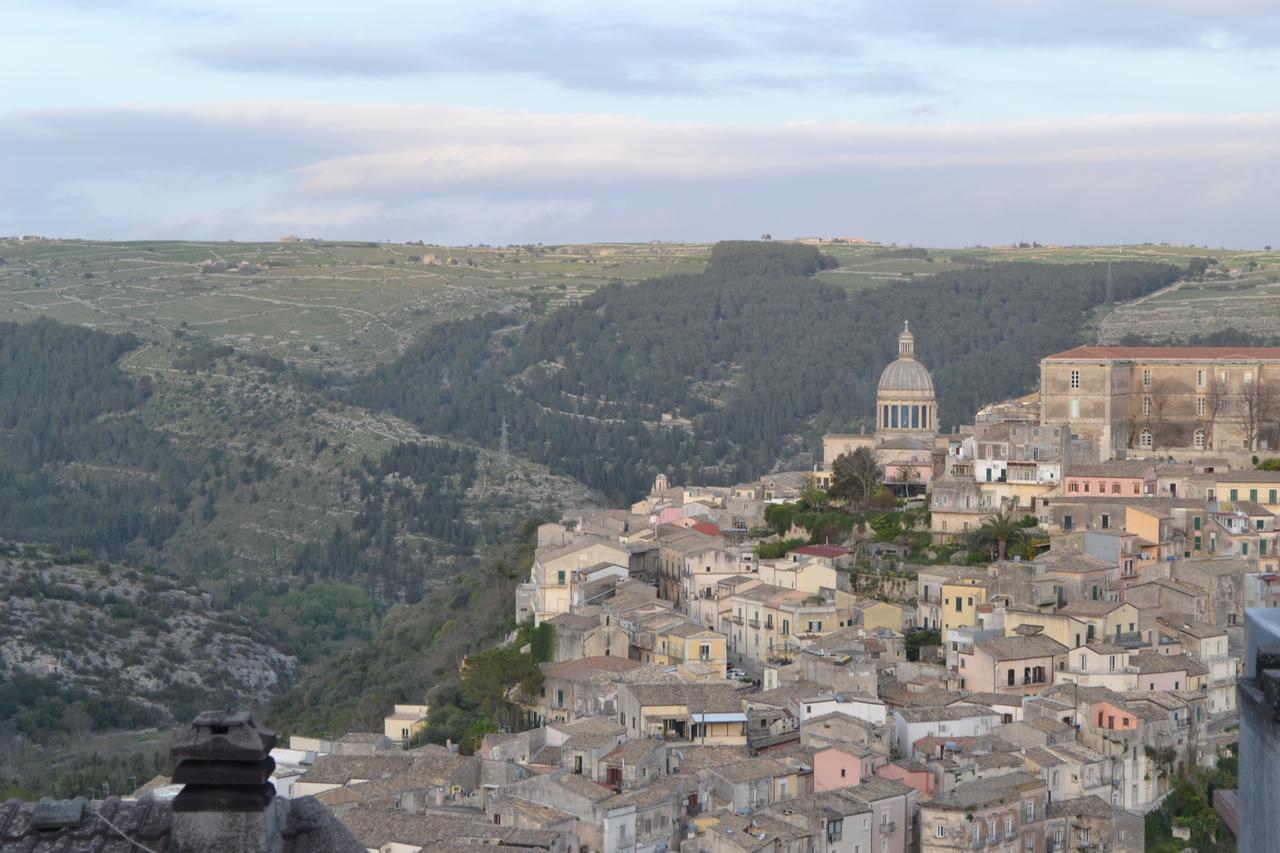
(1018, 634)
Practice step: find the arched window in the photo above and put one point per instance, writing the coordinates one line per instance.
(1145, 438)
(1198, 439)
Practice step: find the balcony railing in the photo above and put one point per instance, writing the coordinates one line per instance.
(753, 623)
(888, 828)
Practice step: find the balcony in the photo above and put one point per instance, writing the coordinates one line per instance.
(753, 623)
(888, 828)
(737, 620)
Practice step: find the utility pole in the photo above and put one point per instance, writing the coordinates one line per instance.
(504, 444)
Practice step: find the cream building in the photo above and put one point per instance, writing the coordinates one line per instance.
(1140, 400)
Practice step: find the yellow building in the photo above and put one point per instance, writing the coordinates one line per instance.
(961, 598)
(1067, 630)
(404, 722)
(768, 623)
(870, 614)
(1260, 487)
(689, 642)
(1103, 620)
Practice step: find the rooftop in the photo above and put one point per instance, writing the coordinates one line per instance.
(1168, 353)
(949, 712)
(1020, 648)
(984, 792)
(1090, 806)
(104, 826)
(598, 668)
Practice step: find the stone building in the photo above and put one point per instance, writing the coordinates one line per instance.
(1137, 400)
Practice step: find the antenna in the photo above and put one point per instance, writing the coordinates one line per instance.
(504, 445)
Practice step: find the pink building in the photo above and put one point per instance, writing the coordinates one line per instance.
(1119, 478)
(1107, 716)
(911, 773)
(834, 767)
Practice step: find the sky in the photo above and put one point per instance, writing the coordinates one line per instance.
(926, 122)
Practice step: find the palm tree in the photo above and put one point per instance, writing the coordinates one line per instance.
(1002, 529)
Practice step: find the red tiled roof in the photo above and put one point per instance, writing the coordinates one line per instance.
(829, 551)
(1148, 353)
(707, 528)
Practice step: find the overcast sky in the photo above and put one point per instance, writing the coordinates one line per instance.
(942, 123)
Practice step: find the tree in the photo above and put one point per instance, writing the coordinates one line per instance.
(1216, 401)
(1002, 529)
(1257, 405)
(1161, 394)
(855, 476)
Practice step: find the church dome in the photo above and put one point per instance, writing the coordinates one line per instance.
(905, 374)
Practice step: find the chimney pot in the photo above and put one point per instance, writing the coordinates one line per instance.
(227, 803)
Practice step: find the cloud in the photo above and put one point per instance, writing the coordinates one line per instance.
(177, 11)
(249, 170)
(616, 55)
(1140, 24)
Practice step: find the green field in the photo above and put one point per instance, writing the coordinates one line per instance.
(340, 306)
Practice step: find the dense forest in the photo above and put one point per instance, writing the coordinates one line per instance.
(411, 505)
(751, 359)
(65, 411)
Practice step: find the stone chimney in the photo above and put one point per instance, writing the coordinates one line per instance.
(227, 804)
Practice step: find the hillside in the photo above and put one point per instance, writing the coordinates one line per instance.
(717, 376)
(88, 646)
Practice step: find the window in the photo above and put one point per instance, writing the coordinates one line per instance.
(1067, 523)
(560, 577)
(1115, 488)
(1073, 487)
(1253, 495)
(1196, 522)
(704, 652)
(1199, 378)
(842, 772)
(1235, 495)
(1146, 439)
(959, 604)
(1248, 378)
(1084, 663)
(1197, 543)
(940, 831)
(977, 833)
(835, 829)
(1075, 379)
(1075, 408)
(1106, 521)
(1008, 824)
(1146, 406)
(1146, 379)
(1271, 496)
(1201, 406)
(991, 828)
(1198, 439)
